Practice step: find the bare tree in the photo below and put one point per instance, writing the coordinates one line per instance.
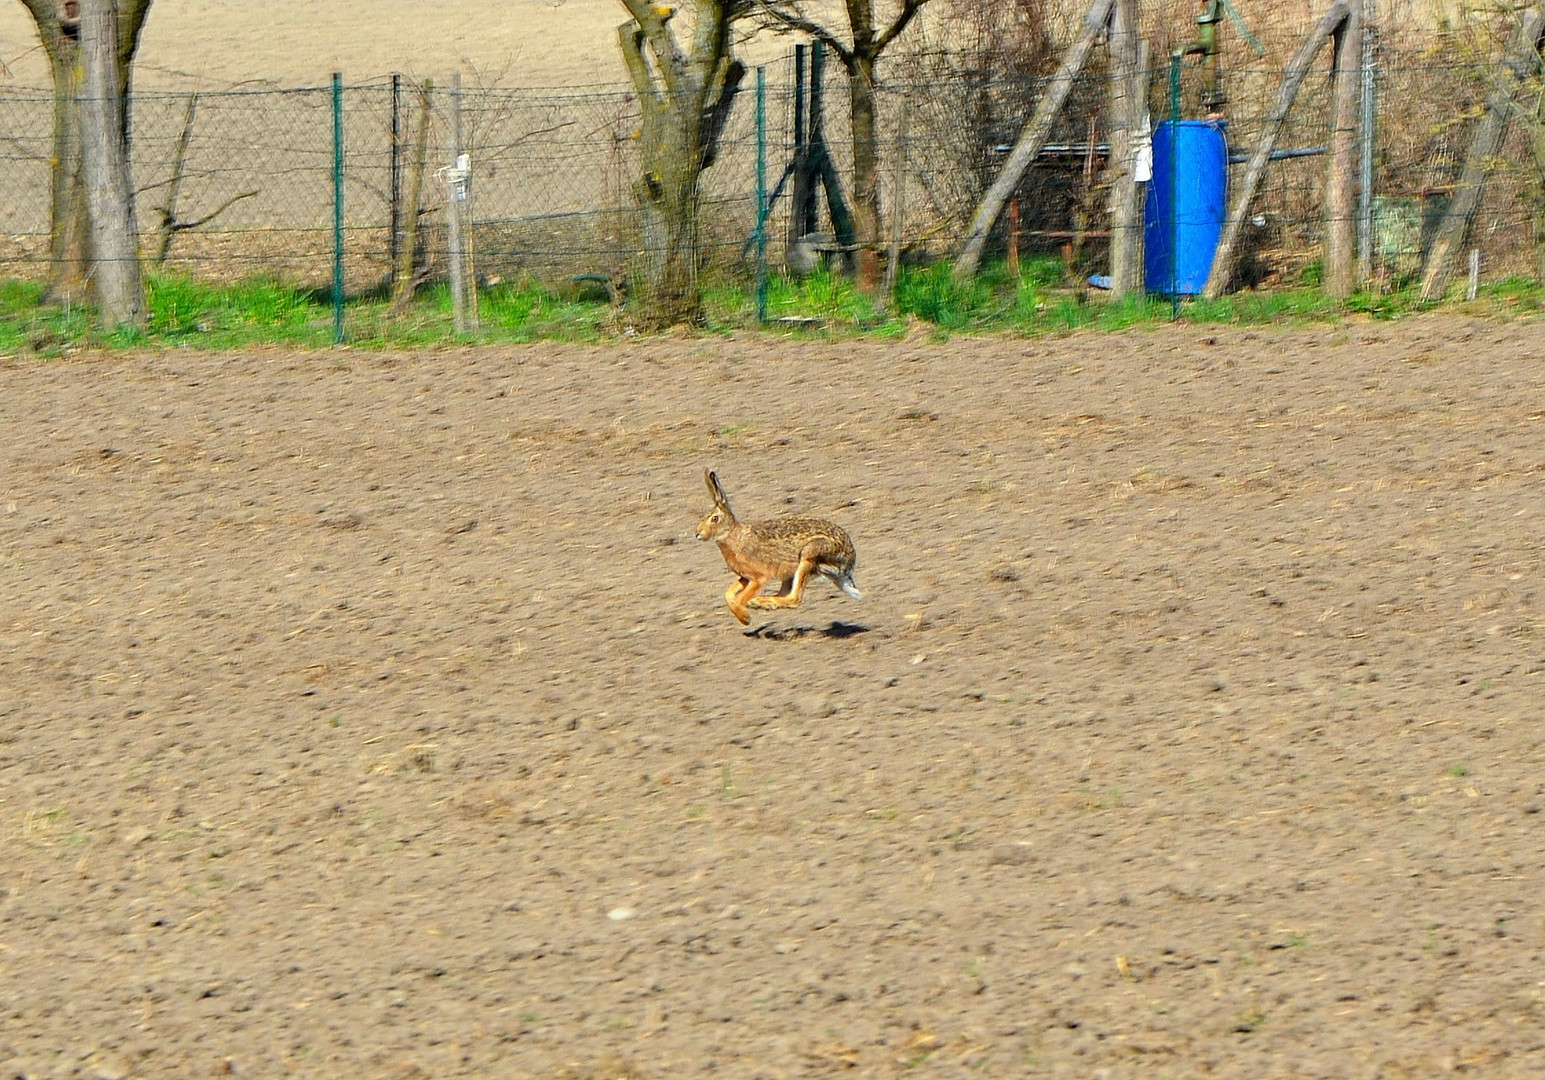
(685, 97)
(58, 25)
(112, 240)
(858, 57)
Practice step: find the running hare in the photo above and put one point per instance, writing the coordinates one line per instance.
(788, 549)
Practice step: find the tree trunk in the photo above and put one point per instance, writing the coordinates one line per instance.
(115, 271)
(667, 195)
(866, 172)
(68, 222)
(866, 146)
(685, 97)
(66, 283)
(406, 275)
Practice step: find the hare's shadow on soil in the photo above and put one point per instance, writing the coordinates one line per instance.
(836, 632)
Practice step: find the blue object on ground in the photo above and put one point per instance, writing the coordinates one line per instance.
(1183, 214)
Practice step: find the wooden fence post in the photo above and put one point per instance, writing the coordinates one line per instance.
(1292, 79)
(456, 193)
(1128, 103)
(1341, 171)
(1523, 58)
(1031, 139)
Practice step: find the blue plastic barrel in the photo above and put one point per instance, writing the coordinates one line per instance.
(1185, 218)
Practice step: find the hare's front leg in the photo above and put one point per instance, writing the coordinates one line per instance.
(737, 595)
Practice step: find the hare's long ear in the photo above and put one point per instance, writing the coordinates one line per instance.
(715, 490)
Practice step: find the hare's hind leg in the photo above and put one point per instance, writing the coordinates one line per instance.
(793, 591)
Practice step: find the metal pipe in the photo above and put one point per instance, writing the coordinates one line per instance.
(761, 195)
(1103, 150)
(1367, 135)
(394, 227)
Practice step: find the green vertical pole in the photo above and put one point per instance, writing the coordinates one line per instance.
(337, 208)
(761, 195)
(1174, 186)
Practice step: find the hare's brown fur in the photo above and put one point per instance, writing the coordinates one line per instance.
(787, 550)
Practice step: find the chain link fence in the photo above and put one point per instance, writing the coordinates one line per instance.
(239, 184)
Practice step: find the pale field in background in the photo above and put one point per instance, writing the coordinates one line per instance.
(214, 43)
(217, 44)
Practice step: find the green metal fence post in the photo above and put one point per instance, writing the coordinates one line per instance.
(337, 208)
(1174, 186)
(761, 195)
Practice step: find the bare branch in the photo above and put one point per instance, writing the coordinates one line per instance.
(784, 17)
(45, 15)
(22, 151)
(909, 8)
(184, 226)
(631, 38)
(653, 24)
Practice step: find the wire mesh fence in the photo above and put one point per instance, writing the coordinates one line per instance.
(235, 185)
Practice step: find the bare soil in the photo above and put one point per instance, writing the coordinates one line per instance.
(374, 715)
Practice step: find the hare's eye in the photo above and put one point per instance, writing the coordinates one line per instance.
(715, 518)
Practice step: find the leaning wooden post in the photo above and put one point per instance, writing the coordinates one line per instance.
(1341, 172)
(1292, 79)
(1126, 108)
(1031, 139)
(1523, 58)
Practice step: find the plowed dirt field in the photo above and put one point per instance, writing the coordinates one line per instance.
(373, 715)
